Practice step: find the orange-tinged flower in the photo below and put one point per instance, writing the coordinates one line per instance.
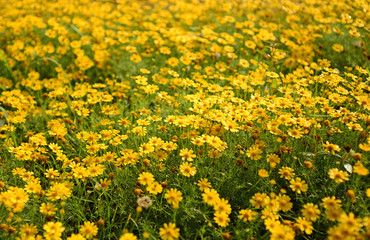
(338, 48)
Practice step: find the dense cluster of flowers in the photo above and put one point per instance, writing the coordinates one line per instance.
(168, 119)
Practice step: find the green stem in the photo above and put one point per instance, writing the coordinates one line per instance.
(8, 67)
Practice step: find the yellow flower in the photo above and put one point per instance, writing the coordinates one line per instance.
(59, 191)
(89, 230)
(222, 205)
(187, 169)
(296, 133)
(298, 185)
(247, 215)
(210, 196)
(173, 197)
(14, 199)
(330, 203)
(203, 184)
(338, 175)
(254, 153)
(311, 212)
(333, 214)
(304, 225)
(250, 44)
(350, 222)
(169, 232)
(244, 63)
(128, 236)
(146, 178)
(338, 48)
(154, 188)
(48, 209)
(53, 230)
(332, 148)
(76, 237)
(187, 154)
(135, 58)
(263, 173)
(259, 200)
(273, 159)
(284, 203)
(280, 231)
(222, 219)
(360, 169)
(286, 172)
(28, 231)
(365, 146)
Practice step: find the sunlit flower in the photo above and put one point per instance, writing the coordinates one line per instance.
(298, 185)
(338, 175)
(187, 169)
(169, 232)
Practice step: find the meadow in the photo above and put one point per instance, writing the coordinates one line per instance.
(184, 119)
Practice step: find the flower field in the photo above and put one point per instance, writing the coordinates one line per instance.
(184, 119)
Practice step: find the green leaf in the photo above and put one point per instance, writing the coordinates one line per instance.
(5, 114)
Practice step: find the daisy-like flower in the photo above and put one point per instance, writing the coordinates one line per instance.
(311, 212)
(304, 225)
(254, 153)
(273, 159)
(187, 154)
(222, 219)
(89, 230)
(210, 196)
(53, 230)
(173, 197)
(284, 203)
(154, 188)
(222, 205)
(146, 178)
(169, 232)
(247, 215)
(203, 184)
(187, 169)
(296, 133)
(286, 172)
(28, 231)
(298, 185)
(259, 200)
(339, 176)
(332, 148)
(331, 203)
